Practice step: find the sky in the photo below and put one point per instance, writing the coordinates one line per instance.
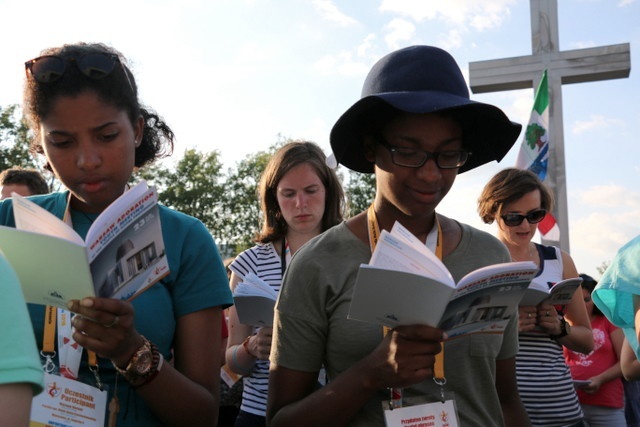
(237, 76)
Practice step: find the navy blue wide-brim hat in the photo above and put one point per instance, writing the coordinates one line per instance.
(423, 79)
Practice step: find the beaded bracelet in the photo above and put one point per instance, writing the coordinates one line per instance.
(153, 375)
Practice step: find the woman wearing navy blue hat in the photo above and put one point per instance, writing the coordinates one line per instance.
(416, 129)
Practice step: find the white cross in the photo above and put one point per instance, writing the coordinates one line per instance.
(563, 67)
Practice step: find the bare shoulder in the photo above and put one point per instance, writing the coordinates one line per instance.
(569, 269)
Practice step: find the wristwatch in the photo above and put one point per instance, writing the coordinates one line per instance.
(143, 366)
(565, 328)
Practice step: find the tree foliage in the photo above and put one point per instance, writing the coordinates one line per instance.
(241, 199)
(14, 140)
(193, 187)
(360, 191)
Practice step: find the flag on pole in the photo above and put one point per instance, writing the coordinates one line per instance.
(534, 151)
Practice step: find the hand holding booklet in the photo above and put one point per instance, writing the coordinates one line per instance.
(559, 293)
(405, 283)
(122, 255)
(254, 301)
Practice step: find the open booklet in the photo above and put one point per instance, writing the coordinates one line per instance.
(405, 283)
(254, 301)
(123, 253)
(559, 293)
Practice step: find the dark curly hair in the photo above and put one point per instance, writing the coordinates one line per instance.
(117, 88)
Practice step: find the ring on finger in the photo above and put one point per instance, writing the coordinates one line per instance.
(114, 323)
(548, 313)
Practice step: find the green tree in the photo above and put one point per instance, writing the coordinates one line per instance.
(14, 140)
(193, 187)
(360, 191)
(242, 207)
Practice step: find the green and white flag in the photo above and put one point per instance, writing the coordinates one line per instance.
(534, 151)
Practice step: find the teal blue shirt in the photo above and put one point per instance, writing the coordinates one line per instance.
(197, 280)
(19, 360)
(614, 293)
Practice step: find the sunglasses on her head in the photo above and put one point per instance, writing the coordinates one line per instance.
(49, 68)
(515, 219)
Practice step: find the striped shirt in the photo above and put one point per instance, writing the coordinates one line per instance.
(264, 262)
(544, 380)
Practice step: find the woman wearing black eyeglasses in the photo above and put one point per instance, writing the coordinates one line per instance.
(517, 200)
(158, 356)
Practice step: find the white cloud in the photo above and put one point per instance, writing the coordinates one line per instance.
(399, 30)
(479, 15)
(364, 49)
(594, 122)
(330, 12)
(325, 65)
(599, 235)
(451, 40)
(607, 196)
(602, 219)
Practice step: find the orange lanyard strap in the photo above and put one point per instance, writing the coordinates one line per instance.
(93, 358)
(374, 235)
(48, 340)
(91, 355)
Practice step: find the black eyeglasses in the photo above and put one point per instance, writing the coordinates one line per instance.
(414, 158)
(97, 65)
(514, 219)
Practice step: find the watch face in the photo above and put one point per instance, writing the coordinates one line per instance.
(144, 361)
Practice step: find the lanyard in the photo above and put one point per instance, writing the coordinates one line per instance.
(285, 256)
(434, 243)
(67, 360)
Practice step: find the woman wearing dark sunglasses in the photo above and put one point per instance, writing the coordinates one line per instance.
(517, 200)
(82, 105)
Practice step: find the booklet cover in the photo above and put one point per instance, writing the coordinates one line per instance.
(559, 293)
(254, 301)
(122, 256)
(405, 283)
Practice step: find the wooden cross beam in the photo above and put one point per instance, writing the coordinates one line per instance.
(563, 67)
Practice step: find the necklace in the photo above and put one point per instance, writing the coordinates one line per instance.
(529, 256)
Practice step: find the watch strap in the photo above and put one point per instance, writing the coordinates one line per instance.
(563, 330)
(131, 375)
(153, 374)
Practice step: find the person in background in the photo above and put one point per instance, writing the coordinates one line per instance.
(300, 197)
(81, 102)
(21, 375)
(416, 129)
(617, 295)
(25, 182)
(517, 201)
(602, 399)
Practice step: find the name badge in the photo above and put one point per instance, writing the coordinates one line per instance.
(68, 403)
(432, 414)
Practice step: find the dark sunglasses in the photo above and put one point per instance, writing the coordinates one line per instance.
(49, 68)
(514, 219)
